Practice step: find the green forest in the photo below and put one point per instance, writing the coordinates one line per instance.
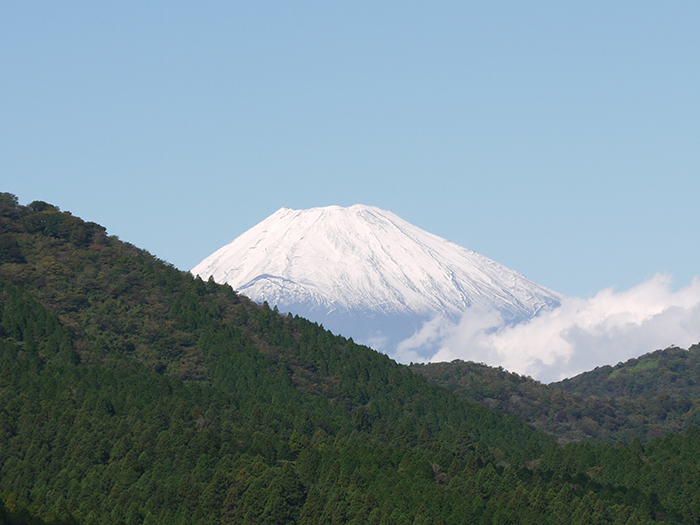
(132, 393)
(644, 398)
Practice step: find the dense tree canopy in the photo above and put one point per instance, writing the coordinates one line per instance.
(672, 372)
(133, 393)
(585, 412)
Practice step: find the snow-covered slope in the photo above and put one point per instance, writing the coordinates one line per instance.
(367, 267)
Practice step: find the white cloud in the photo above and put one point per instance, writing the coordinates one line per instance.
(579, 335)
(378, 341)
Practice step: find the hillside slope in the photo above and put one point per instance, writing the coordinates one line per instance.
(568, 415)
(132, 393)
(671, 372)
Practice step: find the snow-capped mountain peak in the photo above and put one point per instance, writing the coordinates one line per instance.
(361, 261)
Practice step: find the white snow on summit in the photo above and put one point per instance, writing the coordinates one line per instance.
(364, 262)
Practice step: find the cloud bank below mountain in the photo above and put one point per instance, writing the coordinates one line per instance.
(579, 335)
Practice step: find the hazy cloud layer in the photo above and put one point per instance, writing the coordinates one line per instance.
(578, 336)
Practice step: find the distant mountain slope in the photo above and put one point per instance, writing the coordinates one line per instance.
(569, 415)
(366, 273)
(670, 372)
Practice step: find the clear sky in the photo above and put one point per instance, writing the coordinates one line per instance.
(561, 139)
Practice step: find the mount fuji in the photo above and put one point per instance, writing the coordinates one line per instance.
(367, 274)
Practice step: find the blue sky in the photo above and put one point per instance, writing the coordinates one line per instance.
(559, 139)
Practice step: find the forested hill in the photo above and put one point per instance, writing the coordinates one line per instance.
(132, 393)
(586, 413)
(671, 372)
